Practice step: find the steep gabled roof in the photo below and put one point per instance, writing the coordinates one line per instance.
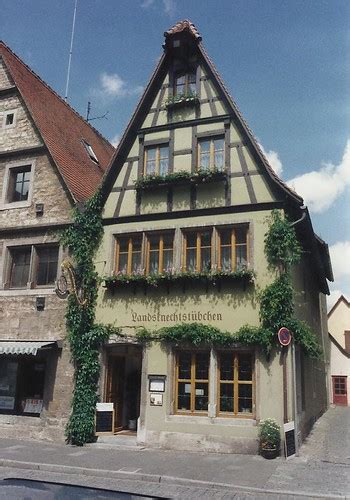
(341, 299)
(62, 130)
(187, 28)
(338, 346)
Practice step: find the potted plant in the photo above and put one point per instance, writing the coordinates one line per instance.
(270, 438)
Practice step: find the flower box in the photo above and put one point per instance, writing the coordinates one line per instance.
(179, 178)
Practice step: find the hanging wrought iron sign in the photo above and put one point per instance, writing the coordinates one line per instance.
(284, 336)
(67, 284)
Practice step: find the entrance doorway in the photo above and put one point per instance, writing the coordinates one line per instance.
(123, 385)
(340, 396)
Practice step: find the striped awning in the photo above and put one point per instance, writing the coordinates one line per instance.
(23, 347)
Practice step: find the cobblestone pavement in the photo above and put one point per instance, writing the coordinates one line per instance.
(321, 470)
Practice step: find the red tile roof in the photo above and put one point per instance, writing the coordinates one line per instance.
(62, 130)
(184, 25)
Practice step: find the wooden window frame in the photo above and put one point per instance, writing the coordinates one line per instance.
(235, 383)
(211, 139)
(186, 74)
(192, 381)
(157, 147)
(36, 259)
(160, 250)
(130, 238)
(198, 233)
(33, 265)
(233, 245)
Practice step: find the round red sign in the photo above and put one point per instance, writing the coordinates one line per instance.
(284, 336)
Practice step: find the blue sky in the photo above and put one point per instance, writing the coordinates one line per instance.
(286, 64)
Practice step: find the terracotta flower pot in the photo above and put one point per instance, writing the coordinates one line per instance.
(269, 453)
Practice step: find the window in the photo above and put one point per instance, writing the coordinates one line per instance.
(233, 246)
(185, 84)
(47, 260)
(22, 386)
(192, 382)
(159, 253)
(19, 182)
(197, 251)
(36, 264)
(211, 154)
(235, 392)
(128, 258)
(156, 160)
(90, 152)
(9, 119)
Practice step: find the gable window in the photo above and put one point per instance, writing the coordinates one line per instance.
(232, 252)
(185, 84)
(235, 394)
(197, 251)
(160, 249)
(9, 119)
(35, 264)
(90, 152)
(157, 160)
(19, 183)
(192, 382)
(211, 154)
(128, 256)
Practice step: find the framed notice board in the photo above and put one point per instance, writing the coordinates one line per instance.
(104, 420)
(289, 439)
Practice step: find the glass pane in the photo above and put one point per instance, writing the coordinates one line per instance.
(168, 260)
(226, 366)
(226, 264)
(245, 371)
(206, 239)
(241, 235)
(184, 396)
(226, 397)
(205, 146)
(20, 267)
(164, 166)
(47, 265)
(184, 360)
(136, 262)
(191, 260)
(219, 160)
(205, 259)
(202, 366)
(225, 237)
(136, 244)
(150, 167)
(154, 242)
(151, 154)
(154, 262)
(241, 256)
(8, 378)
(204, 163)
(201, 397)
(164, 152)
(168, 241)
(191, 240)
(123, 263)
(123, 244)
(245, 398)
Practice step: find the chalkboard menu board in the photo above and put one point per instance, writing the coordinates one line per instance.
(104, 418)
(289, 439)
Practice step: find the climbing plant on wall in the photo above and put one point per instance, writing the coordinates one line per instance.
(84, 336)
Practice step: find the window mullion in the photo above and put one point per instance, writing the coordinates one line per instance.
(157, 161)
(32, 265)
(233, 250)
(145, 163)
(148, 254)
(161, 256)
(198, 252)
(129, 256)
(212, 151)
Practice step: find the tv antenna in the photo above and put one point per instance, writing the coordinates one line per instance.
(70, 50)
(88, 109)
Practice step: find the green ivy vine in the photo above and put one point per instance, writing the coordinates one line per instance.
(84, 336)
(282, 250)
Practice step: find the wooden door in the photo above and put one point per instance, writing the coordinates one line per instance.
(340, 396)
(115, 388)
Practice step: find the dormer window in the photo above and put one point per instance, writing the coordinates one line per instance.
(90, 152)
(185, 84)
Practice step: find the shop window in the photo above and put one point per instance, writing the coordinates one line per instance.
(128, 255)
(235, 394)
(156, 160)
(19, 183)
(33, 264)
(197, 251)
(233, 249)
(185, 84)
(160, 249)
(22, 386)
(192, 382)
(211, 153)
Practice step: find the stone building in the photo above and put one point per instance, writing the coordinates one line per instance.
(187, 197)
(50, 159)
(339, 334)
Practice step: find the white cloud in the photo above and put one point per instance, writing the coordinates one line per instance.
(340, 258)
(168, 5)
(115, 140)
(320, 188)
(273, 159)
(113, 86)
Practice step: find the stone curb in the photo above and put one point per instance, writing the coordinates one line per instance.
(154, 478)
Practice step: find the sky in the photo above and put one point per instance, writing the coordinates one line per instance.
(285, 62)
